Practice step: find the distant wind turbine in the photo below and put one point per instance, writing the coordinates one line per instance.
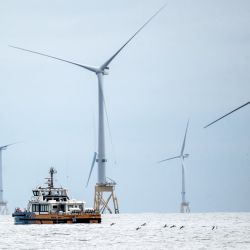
(245, 104)
(3, 204)
(102, 185)
(184, 204)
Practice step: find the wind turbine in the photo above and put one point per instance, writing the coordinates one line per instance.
(3, 204)
(184, 204)
(102, 185)
(227, 114)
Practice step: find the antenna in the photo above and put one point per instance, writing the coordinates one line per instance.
(102, 185)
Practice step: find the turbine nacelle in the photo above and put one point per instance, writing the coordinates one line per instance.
(185, 155)
(105, 71)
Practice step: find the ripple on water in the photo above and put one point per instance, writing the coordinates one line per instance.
(232, 231)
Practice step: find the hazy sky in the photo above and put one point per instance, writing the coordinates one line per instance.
(191, 61)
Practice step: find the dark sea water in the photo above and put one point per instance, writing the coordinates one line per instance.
(190, 231)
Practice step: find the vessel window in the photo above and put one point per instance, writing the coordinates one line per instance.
(35, 193)
(62, 207)
(44, 208)
(35, 208)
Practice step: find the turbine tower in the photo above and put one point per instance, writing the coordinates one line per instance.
(3, 204)
(227, 114)
(184, 204)
(103, 185)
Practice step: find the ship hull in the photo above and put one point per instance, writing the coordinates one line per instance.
(32, 218)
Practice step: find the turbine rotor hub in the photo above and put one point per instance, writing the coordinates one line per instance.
(105, 71)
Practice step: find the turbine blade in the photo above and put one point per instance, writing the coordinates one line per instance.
(169, 159)
(227, 114)
(93, 69)
(5, 146)
(92, 166)
(184, 140)
(119, 50)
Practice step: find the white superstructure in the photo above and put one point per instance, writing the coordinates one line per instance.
(53, 200)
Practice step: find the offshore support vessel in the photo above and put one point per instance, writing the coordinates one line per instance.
(52, 205)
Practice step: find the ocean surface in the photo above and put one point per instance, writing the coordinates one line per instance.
(124, 231)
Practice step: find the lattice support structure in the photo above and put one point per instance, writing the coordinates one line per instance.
(185, 207)
(3, 208)
(104, 195)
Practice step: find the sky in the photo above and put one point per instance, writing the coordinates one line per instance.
(191, 62)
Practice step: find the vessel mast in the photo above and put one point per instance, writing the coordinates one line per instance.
(52, 171)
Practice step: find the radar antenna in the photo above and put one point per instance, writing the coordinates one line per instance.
(52, 171)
